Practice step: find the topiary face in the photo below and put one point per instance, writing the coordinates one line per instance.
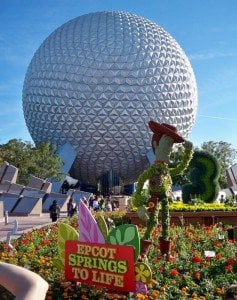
(164, 148)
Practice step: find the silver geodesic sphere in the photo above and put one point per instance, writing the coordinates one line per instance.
(97, 80)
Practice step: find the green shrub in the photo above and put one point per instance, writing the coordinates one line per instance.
(204, 174)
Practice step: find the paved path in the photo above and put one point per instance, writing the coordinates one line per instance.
(24, 223)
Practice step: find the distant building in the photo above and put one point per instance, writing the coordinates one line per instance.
(96, 81)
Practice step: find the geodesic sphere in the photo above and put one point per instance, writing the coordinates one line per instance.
(97, 80)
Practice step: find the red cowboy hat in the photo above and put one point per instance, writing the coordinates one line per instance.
(163, 128)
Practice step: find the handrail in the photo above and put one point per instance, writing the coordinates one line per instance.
(22, 283)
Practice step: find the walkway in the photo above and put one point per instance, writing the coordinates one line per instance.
(24, 223)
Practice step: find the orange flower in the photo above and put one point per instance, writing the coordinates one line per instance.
(217, 244)
(219, 291)
(184, 290)
(197, 275)
(194, 296)
(171, 258)
(24, 241)
(46, 242)
(174, 272)
(196, 259)
(140, 296)
(164, 287)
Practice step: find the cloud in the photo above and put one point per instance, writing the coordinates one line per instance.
(211, 55)
(219, 118)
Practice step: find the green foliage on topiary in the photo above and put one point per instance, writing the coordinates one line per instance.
(159, 190)
(203, 174)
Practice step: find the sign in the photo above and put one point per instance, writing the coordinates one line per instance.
(209, 254)
(105, 265)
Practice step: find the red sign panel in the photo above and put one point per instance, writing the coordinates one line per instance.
(105, 265)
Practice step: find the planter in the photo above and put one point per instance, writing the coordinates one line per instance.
(205, 217)
(232, 233)
(201, 217)
(164, 246)
(145, 247)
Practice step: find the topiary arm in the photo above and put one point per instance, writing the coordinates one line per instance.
(141, 180)
(188, 153)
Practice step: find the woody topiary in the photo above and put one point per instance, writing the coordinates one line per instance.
(159, 176)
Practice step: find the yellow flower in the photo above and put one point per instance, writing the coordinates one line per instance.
(184, 290)
(140, 297)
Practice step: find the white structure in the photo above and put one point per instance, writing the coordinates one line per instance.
(97, 80)
(231, 174)
(22, 283)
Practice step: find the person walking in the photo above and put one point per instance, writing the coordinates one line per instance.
(91, 200)
(222, 199)
(71, 208)
(95, 204)
(54, 210)
(85, 201)
(108, 205)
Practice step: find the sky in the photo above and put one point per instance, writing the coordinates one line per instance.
(205, 29)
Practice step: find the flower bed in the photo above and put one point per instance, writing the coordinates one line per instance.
(182, 207)
(187, 274)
